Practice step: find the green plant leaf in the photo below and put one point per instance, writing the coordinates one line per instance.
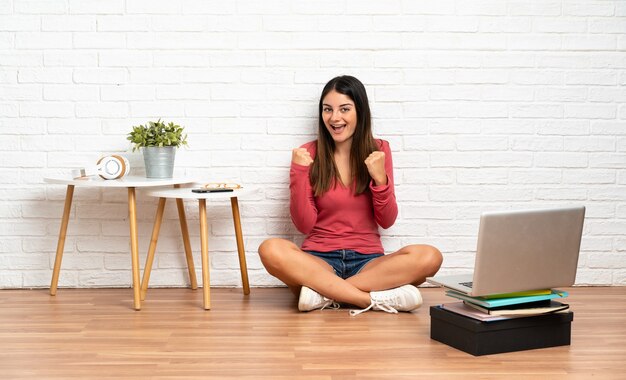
(157, 133)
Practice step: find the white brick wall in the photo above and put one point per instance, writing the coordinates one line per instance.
(490, 104)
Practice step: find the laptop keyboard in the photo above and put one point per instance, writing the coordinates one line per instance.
(468, 284)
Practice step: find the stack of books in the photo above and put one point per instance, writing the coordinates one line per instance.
(507, 306)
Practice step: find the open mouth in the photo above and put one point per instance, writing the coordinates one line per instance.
(338, 128)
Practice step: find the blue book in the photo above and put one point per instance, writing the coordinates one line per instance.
(496, 302)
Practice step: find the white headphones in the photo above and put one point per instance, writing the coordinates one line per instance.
(113, 166)
(107, 167)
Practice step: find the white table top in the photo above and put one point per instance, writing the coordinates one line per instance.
(186, 193)
(127, 181)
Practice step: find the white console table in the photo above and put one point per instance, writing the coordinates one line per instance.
(185, 193)
(131, 183)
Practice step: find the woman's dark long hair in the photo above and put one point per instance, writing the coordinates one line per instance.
(324, 173)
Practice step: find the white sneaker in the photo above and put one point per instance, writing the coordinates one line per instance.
(312, 300)
(403, 298)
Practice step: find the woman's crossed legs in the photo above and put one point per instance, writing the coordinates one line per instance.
(296, 268)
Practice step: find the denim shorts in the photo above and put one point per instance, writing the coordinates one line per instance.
(346, 262)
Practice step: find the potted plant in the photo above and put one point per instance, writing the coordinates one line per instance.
(159, 142)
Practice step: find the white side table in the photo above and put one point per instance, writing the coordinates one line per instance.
(185, 193)
(131, 183)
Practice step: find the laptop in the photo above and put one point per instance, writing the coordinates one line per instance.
(522, 250)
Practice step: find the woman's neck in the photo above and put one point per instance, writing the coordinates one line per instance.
(343, 149)
(342, 163)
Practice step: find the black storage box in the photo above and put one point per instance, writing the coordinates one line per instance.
(484, 338)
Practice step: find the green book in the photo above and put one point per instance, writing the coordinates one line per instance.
(520, 309)
(519, 294)
(496, 302)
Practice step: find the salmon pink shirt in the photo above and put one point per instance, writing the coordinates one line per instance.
(339, 219)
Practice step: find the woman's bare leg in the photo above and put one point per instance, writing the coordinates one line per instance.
(287, 262)
(409, 265)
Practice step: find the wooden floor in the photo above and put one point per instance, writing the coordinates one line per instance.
(95, 333)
